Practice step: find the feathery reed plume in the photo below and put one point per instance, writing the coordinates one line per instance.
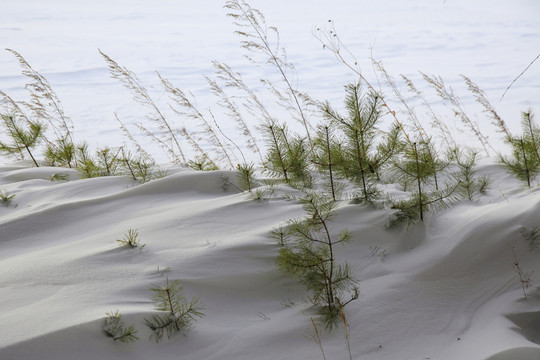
(331, 41)
(140, 94)
(256, 35)
(188, 109)
(418, 128)
(346, 330)
(44, 103)
(436, 122)
(315, 335)
(252, 103)
(234, 113)
(480, 97)
(140, 150)
(448, 95)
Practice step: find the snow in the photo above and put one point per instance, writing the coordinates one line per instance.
(444, 289)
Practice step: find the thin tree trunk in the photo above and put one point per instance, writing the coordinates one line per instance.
(420, 199)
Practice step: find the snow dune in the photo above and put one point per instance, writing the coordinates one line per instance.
(444, 289)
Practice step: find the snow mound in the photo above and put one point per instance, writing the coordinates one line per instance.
(443, 289)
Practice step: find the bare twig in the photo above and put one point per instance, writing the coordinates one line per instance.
(523, 72)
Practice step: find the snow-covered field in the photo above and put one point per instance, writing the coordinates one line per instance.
(444, 289)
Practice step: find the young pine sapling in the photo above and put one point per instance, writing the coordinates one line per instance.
(114, 328)
(361, 158)
(287, 156)
(524, 162)
(308, 252)
(178, 314)
(469, 184)
(131, 239)
(22, 137)
(415, 169)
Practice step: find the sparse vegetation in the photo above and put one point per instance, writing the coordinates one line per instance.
(525, 160)
(308, 252)
(177, 313)
(131, 239)
(6, 198)
(114, 328)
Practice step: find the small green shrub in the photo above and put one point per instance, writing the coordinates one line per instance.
(131, 239)
(6, 198)
(308, 252)
(524, 162)
(178, 314)
(22, 137)
(114, 328)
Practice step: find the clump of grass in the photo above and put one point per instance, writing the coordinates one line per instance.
(168, 140)
(259, 38)
(6, 198)
(131, 239)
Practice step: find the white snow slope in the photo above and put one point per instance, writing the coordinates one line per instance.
(445, 289)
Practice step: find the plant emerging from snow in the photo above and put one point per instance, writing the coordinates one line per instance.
(178, 314)
(525, 160)
(23, 136)
(131, 239)
(114, 328)
(532, 236)
(525, 277)
(6, 198)
(308, 251)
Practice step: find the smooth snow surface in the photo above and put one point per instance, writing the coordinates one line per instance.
(445, 289)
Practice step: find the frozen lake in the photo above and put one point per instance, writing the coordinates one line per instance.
(492, 42)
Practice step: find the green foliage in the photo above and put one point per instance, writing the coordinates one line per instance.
(416, 168)
(43, 105)
(326, 154)
(469, 184)
(21, 137)
(114, 328)
(287, 155)
(525, 160)
(6, 198)
(60, 177)
(131, 239)
(202, 163)
(139, 167)
(415, 207)
(85, 163)
(532, 236)
(108, 160)
(245, 174)
(178, 315)
(360, 156)
(308, 252)
(62, 152)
